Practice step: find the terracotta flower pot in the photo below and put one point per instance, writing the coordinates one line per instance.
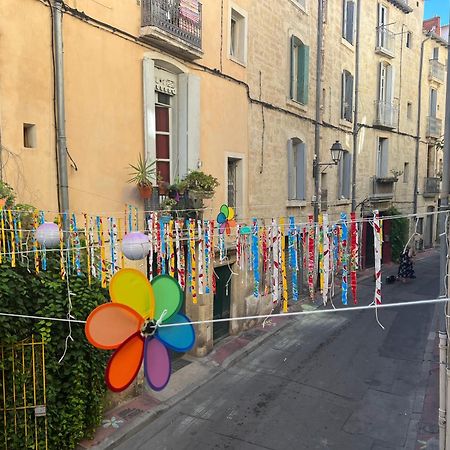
(145, 191)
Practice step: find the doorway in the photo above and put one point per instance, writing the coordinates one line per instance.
(222, 302)
(429, 225)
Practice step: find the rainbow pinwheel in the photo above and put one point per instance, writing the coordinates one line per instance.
(130, 324)
(225, 219)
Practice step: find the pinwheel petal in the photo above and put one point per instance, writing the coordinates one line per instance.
(130, 287)
(223, 227)
(156, 364)
(221, 218)
(168, 295)
(124, 364)
(231, 213)
(227, 228)
(232, 223)
(109, 325)
(180, 338)
(224, 210)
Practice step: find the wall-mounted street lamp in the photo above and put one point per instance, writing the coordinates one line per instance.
(336, 151)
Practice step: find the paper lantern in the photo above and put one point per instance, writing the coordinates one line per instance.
(47, 234)
(135, 246)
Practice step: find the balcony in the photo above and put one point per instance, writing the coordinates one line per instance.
(437, 71)
(403, 5)
(385, 42)
(382, 189)
(173, 26)
(432, 187)
(434, 127)
(386, 114)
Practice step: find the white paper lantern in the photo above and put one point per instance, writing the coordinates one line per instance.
(47, 234)
(135, 246)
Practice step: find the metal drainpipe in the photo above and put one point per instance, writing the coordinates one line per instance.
(355, 115)
(63, 185)
(318, 101)
(442, 387)
(419, 115)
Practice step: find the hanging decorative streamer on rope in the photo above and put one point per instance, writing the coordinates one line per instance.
(238, 246)
(151, 240)
(2, 221)
(162, 228)
(200, 257)
(354, 257)
(100, 244)
(320, 227)
(283, 265)
(87, 238)
(120, 238)
(212, 253)
(193, 261)
(276, 261)
(311, 256)
(157, 235)
(293, 258)
(344, 258)
(102, 254)
(130, 218)
(180, 255)
(76, 242)
(377, 234)
(207, 254)
(326, 258)
(265, 256)
(62, 268)
(35, 242)
(255, 255)
(114, 254)
(171, 249)
(91, 244)
(12, 239)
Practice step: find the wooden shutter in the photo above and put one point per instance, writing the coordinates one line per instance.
(301, 171)
(433, 102)
(303, 73)
(348, 96)
(291, 170)
(343, 95)
(347, 174)
(350, 15)
(292, 81)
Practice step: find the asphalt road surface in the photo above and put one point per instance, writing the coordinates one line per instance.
(334, 381)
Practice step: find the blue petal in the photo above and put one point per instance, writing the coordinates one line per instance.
(180, 338)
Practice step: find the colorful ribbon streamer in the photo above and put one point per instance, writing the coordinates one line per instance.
(193, 261)
(326, 259)
(344, 258)
(378, 240)
(283, 265)
(354, 256)
(200, 257)
(311, 255)
(276, 261)
(293, 263)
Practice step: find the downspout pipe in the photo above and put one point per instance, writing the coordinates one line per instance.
(442, 387)
(61, 142)
(356, 105)
(318, 102)
(419, 118)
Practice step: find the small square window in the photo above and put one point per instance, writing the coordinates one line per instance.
(436, 53)
(409, 110)
(408, 39)
(29, 135)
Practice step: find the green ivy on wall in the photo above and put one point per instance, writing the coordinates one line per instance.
(75, 387)
(399, 233)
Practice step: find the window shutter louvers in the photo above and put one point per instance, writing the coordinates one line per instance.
(303, 73)
(292, 81)
(291, 171)
(350, 19)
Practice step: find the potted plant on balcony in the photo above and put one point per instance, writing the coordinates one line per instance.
(200, 185)
(143, 173)
(163, 186)
(166, 208)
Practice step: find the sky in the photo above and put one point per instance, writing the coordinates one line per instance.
(437, 8)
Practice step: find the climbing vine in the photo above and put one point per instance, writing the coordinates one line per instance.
(75, 388)
(399, 233)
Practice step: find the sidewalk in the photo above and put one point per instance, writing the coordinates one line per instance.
(190, 373)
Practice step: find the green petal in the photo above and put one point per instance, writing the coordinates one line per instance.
(224, 210)
(168, 295)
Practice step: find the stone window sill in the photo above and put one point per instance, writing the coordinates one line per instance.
(296, 203)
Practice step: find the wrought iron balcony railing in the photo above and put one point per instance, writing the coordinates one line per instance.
(432, 186)
(178, 18)
(434, 127)
(437, 70)
(386, 114)
(385, 42)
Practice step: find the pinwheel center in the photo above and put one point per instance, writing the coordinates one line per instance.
(149, 327)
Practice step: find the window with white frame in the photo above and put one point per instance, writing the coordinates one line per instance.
(238, 36)
(348, 23)
(345, 176)
(299, 79)
(382, 157)
(234, 184)
(163, 136)
(433, 102)
(296, 169)
(347, 96)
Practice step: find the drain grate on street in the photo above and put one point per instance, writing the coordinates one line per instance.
(251, 334)
(129, 413)
(179, 364)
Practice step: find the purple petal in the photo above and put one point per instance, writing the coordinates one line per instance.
(156, 364)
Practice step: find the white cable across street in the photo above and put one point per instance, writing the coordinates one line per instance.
(262, 316)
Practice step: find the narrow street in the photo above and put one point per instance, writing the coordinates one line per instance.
(323, 382)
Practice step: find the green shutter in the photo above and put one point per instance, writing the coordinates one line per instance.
(303, 73)
(292, 81)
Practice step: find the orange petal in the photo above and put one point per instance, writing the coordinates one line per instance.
(109, 325)
(130, 287)
(125, 363)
